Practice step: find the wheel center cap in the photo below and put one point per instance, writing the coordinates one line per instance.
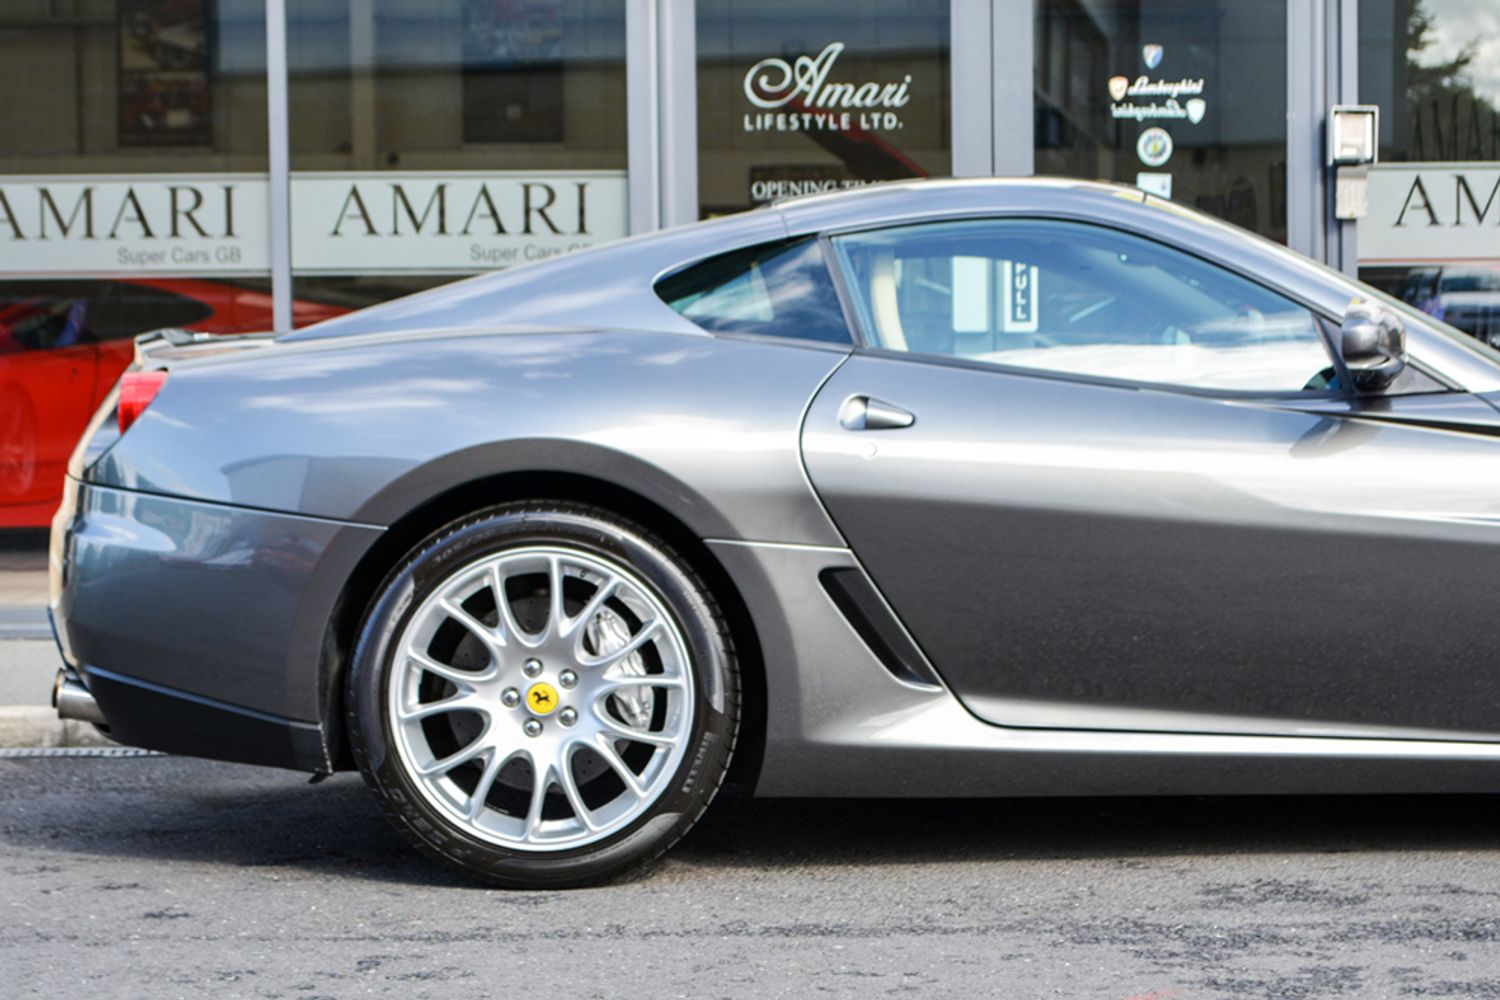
(541, 698)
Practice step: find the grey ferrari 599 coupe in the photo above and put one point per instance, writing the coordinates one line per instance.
(933, 489)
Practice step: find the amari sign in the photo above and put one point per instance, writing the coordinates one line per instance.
(354, 223)
(180, 224)
(1431, 213)
(378, 223)
(806, 95)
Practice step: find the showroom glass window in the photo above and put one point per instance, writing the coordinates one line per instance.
(132, 196)
(134, 156)
(1433, 67)
(437, 138)
(1185, 98)
(1079, 300)
(801, 96)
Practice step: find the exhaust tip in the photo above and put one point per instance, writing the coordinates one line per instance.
(73, 701)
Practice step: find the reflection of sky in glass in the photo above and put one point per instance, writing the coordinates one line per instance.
(418, 34)
(1456, 23)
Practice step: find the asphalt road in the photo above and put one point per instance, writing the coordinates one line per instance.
(162, 877)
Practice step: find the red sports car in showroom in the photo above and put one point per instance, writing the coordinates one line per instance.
(63, 344)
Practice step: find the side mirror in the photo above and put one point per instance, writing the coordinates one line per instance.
(1372, 341)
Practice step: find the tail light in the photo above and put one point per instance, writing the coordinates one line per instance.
(137, 390)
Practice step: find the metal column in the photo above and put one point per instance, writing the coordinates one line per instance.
(971, 87)
(1306, 180)
(1343, 86)
(642, 94)
(278, 140)
(1013, 37)
(677, 111)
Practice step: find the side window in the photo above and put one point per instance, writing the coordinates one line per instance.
(48, 315)
(127, 309)
(1079, 299)
(44, 316)
(778, 290)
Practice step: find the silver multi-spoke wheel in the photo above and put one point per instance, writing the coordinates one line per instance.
(541, 698)
(544, 694)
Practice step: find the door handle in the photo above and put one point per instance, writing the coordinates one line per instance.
(865, 413)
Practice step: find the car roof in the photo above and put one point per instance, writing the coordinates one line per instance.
(1000, 190)
(609, 286)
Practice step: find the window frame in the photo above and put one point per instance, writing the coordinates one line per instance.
(1326, 325)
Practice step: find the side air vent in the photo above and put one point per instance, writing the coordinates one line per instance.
(868, 614)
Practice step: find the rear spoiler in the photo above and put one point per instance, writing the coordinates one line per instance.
(159, 348)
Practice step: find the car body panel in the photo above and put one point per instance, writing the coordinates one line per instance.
(60, 382)
(366, 429)
(838, 724)
(341, 431)
(209, 600)
(1107, 557)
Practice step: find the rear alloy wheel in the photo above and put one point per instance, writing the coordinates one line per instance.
(544, 695)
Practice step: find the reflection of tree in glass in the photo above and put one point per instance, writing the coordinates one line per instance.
(1449, 120)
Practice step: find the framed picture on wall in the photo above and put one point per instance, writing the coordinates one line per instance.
(163, 91)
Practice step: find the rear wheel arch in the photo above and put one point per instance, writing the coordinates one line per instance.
(364, 583)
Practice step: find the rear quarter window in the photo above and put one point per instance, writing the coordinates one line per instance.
(778, 289)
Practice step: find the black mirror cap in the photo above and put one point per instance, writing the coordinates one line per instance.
(1372, 342)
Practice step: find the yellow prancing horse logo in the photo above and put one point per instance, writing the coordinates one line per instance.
(541, 698)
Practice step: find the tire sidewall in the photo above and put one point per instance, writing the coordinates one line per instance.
(714, 681)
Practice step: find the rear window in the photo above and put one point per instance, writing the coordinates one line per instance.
(775, 290)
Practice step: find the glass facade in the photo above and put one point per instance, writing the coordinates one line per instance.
(1185, 98)
(132, 196)
(797, 96)
(1433, 67)
(430, 139)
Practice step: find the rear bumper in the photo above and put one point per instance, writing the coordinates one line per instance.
(198, 628)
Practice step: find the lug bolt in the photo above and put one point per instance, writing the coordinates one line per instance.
(532, 728)
(532, 667)
(568, 679)
(567, 716)
(510, 697)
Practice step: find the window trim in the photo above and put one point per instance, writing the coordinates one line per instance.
(1321, 321)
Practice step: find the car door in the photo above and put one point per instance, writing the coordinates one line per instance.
(46, 382)
(1107, 485)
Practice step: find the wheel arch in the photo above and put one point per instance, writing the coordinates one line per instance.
(405, 532)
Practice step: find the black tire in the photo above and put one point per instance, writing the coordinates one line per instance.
(715, 692)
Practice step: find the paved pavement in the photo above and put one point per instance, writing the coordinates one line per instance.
(23, 568)
(28, 659)
(162, 877)
(27, 719)
(27, 667)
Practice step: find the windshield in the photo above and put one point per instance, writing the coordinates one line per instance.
(1357, 289)
(1470, 281)
(1408, 312)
